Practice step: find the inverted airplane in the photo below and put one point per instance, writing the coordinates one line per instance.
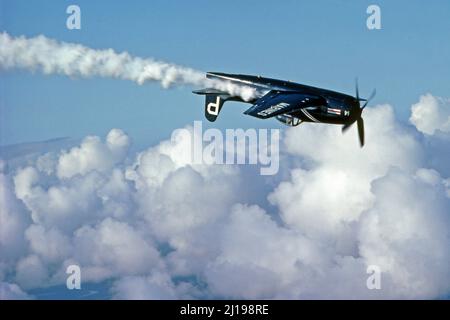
(290, 103)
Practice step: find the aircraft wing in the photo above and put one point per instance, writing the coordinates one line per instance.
(280, 102)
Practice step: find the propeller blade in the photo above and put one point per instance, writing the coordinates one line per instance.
(360, 122)
(374, 92)
(346, 127)
(357, 89)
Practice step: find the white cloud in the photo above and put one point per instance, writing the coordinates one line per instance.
(183, 204)
(66, 205)
(11, 291)
(13, 221)
(153, 287)
(406, 233)
(431, 114)
(51, 245)
(94, 155)
(113, 248)
(31, 272)
(260, 259)
(332, 189)
(160, 226)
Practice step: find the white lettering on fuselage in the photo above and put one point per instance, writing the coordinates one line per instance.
(273, 109)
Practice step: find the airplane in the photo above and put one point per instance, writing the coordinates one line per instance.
(290, 103)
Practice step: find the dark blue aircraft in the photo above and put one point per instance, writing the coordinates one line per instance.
(290, 103)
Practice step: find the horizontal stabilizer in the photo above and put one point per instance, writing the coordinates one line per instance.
(208, 91)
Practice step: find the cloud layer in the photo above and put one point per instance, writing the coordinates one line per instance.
(159, 226)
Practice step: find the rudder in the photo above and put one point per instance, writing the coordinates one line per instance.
(214, 100)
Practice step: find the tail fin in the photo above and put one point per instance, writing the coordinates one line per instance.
(214, 100)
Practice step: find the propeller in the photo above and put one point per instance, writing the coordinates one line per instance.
(356, 113)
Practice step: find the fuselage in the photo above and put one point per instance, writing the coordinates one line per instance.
(334, 107)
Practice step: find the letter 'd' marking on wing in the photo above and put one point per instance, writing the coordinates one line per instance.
(213, 108)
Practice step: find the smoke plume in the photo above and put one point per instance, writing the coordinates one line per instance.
(52, 57)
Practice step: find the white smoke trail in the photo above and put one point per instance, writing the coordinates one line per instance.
(53, 57)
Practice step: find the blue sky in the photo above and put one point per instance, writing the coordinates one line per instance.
(322, 43)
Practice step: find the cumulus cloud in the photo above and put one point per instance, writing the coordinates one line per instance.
(406, 233)
(335, 199)
(333, 187)
(155, 286)
(162, 227)
(94, 155)
(31, 272)
(431, 114)
(14, 220)
(259, 259)
(11, 291)
(113, 247)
